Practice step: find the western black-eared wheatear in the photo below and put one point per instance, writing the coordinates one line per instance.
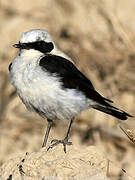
(49, 84)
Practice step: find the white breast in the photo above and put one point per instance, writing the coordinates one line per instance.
(43, 91)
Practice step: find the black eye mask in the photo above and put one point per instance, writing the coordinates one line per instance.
(41, 46)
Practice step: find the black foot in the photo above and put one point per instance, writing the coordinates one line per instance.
(56, 142)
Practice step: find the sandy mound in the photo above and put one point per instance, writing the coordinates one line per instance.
(88, 163)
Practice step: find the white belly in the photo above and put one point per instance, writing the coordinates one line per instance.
(42, 92)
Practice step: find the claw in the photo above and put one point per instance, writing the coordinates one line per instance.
(69, 143)
(56, 142)
(51, 146)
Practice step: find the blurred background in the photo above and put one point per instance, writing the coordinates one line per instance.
(99, 36)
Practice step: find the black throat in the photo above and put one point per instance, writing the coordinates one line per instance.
(42, 46)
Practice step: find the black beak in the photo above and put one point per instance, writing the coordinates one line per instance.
(17, 45)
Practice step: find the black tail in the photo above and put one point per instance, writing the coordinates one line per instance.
(112, 111)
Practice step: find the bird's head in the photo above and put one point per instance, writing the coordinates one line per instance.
(36, 39)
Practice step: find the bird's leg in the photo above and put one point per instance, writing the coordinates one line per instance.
(64, 141)
(47, 132)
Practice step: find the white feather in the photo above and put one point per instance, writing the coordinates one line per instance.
(40, 90)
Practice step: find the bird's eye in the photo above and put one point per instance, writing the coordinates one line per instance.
(39, 43)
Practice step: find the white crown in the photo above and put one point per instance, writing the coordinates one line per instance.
(35, 35)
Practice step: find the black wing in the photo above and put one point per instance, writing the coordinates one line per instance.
(71, 77)
(9, 67)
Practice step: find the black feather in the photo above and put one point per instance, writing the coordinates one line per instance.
(108, 100)
(9, 67)
(42, 46)
(112, 111)
(71, 77)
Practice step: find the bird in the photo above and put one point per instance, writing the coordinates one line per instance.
(48, 83)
